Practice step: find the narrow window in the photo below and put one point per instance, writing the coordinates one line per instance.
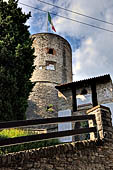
(50, 51)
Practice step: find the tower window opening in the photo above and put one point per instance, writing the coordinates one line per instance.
(50, 65)
(50, 51)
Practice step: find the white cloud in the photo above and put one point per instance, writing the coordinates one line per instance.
(95, 55)
(72, 28)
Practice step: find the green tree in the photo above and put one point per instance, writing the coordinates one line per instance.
(16, 61)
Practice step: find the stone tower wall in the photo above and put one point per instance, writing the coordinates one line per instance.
(61, 58)
(43, 95)
(53, 66)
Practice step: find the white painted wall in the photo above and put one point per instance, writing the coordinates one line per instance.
(65, 126)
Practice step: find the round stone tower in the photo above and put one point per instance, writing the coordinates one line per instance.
(53, 67)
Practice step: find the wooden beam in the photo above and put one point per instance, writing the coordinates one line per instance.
(34, 138)
(22, 123)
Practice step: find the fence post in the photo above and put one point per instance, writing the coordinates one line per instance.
(103, 122)
(91, 123)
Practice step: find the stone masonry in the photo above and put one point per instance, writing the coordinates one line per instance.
(86, 155)
(104, 92)
(53, 66)
(93, 154)
(103, 122)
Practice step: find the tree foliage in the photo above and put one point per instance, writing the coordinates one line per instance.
(16, 61)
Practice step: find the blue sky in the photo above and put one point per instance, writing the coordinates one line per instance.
(91, 47)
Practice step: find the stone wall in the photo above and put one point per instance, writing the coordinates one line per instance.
(86, 155)
(53, 66)
(43, 95)
(62, 56)
(65, 100)
(95, 154)
(104, 95)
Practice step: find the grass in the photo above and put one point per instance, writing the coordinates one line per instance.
(11, 133)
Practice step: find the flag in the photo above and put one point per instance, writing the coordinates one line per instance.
(50, 21)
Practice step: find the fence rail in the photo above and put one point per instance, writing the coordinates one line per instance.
(22, 123)
(33, 138)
